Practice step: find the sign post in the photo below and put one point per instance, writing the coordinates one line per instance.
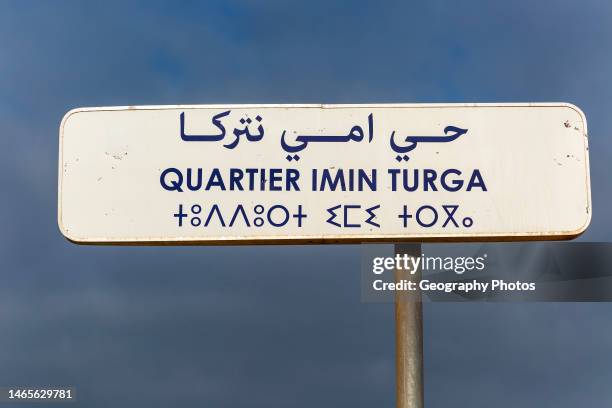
(409, 336)
(322, 174)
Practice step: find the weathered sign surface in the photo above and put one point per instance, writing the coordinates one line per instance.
(323, 173)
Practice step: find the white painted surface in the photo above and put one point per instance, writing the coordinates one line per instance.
(533, 159)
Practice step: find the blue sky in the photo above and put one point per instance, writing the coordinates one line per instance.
(225, 326)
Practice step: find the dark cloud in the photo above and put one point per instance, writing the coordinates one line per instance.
(277, 326)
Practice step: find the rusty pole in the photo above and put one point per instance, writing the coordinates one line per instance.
(409, 336)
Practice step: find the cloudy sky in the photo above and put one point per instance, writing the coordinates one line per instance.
(279, 326)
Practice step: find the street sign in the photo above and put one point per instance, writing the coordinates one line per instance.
(323, 173)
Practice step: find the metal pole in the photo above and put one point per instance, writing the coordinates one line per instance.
(409, 336)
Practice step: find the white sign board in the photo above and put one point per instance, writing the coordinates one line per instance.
(323, 173)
